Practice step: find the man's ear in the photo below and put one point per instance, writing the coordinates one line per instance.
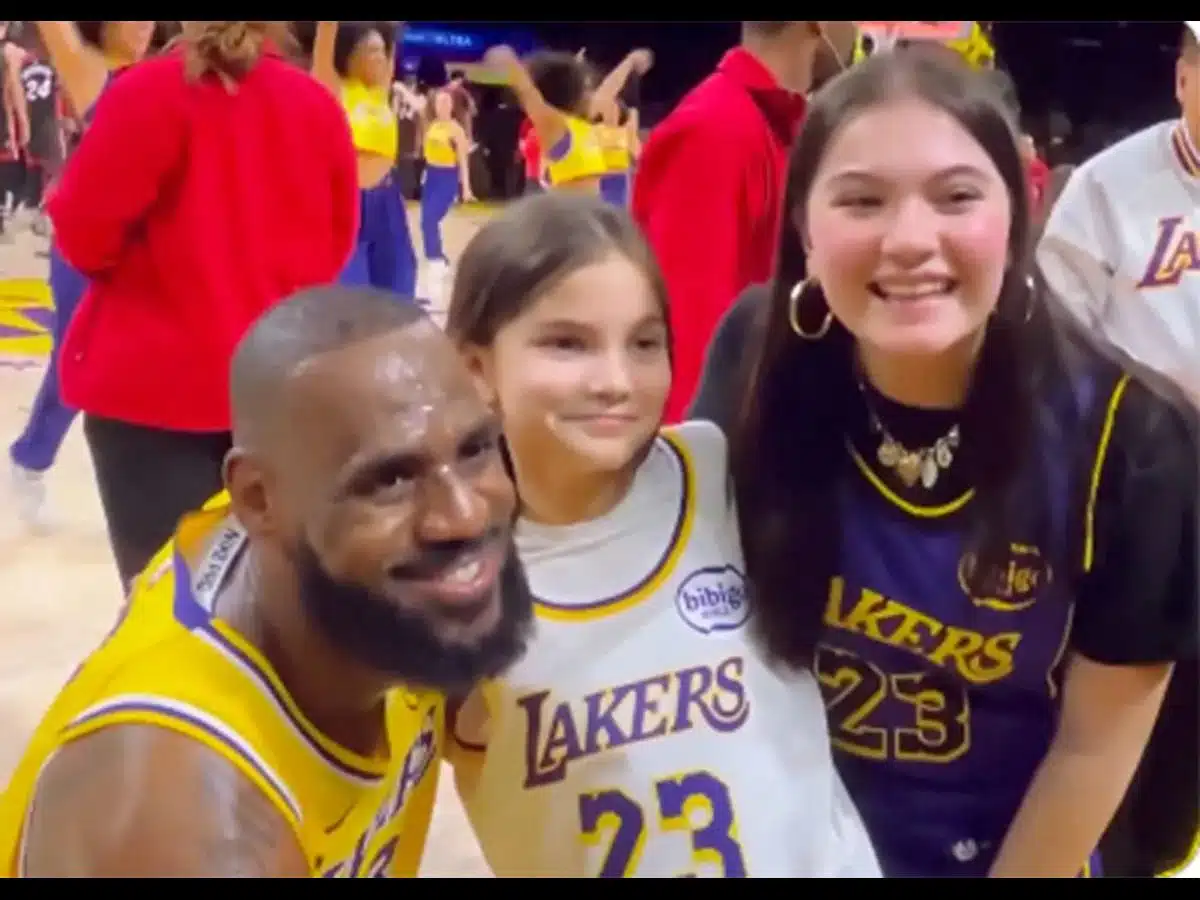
(248, 483)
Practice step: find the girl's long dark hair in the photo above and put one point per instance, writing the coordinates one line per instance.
(800, 399)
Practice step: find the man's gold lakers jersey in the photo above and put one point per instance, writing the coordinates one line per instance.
(171, 663)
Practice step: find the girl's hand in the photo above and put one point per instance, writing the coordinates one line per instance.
(501, 57)
(643, 60)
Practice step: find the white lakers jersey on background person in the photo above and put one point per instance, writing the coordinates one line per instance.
(1121, 249)
(643, 735)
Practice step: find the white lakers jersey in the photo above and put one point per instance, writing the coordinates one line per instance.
(643, 734)
(1121, 249)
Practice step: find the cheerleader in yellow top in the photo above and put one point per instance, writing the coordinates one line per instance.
(620, 143)
(447, 175)
(555, 92)
(357, 61)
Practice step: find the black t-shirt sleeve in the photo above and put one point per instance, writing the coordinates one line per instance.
(720, 381)
(1138, 602)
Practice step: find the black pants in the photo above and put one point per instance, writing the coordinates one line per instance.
(33, 185)
(12, 183)
(148, 478)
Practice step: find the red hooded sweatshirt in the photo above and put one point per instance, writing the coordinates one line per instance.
(192, 210)
(708, 194)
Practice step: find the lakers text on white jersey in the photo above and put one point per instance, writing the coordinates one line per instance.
(642, 734)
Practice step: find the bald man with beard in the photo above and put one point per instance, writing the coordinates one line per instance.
(271, 703)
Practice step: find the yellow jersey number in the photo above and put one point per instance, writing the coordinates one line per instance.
(614, 816)
(855, 690)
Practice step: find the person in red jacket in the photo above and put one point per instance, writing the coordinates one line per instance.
(1038, 175)
(529, 152)
(215, 180)
(709, 182)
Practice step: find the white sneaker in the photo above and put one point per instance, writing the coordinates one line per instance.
(29, 489)
(438, 283)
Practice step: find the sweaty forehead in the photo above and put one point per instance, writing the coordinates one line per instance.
(407, 391)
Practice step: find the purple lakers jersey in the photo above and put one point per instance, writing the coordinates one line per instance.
(943, 699)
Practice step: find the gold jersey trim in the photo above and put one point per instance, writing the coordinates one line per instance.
(662, 570)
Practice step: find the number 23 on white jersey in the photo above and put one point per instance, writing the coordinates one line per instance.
(696, 804)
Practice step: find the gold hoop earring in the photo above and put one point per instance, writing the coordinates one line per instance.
(794, 314)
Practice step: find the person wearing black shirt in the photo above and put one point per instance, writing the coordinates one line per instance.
(976, 525)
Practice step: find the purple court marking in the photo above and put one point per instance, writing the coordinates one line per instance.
(8, 331)
(39, 321)
(40, 314)
(41, 318)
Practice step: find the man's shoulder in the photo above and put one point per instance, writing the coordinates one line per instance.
(316, 110)
(716, 108)
(1137, 150)
(282, 73)
(182, 810)
(155, 77)
(725, 362)
(739, 319)
(747, 306)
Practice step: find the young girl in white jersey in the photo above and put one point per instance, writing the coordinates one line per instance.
(642, 735)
